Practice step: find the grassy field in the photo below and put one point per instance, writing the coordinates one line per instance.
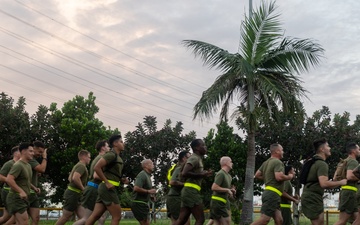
(303, 221)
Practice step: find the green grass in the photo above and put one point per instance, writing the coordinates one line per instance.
(303, 221)
(332, 218)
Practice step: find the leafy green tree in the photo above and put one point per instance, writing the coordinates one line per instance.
(40, 124)
(261, 78)
(71, 128)
(225, 143)
(14, 125)
(161, 146)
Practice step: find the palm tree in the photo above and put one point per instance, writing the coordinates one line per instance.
(261, 78)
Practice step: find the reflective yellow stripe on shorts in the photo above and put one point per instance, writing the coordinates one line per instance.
(347, 187)
(115, 183)
(74, 189)
(197, 187)
(6, 188)
(270, 188)
(140, 202)
(285, 206)
(219, 199)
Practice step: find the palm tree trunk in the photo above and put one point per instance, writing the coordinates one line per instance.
(248, 201)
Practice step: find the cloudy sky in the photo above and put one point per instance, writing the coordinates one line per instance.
(129, 54)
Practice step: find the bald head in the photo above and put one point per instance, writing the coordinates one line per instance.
(274, 147)
(226, 163)
(224, 160)
(145, 163)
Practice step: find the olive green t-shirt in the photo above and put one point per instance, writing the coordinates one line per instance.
(289, 190)
(319, 168)
(6, 168)
(197, 163)
(114, 166)
(92, 165)
(82, 170)
(175, 190)
(142, 180)
(351, 164)
(223, 179)
(22, 173)
(268, 169)
(33, 163)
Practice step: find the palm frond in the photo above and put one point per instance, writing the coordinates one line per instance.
(212, 55)
(221, 90)
(279, 87)
(294, 55)
(260, 32)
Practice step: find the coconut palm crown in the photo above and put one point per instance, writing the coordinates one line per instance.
(261, 78)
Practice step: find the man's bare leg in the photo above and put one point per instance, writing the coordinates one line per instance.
(10, 221)
(66, 216)
(99, 209)
(222, 221)
(343, 218)
(198, 213)
(183, 216)
(115, 212)
(6, 216)
(34, 214)
(278, 219)
(22, 218)
(87, 213)
(263, 220)
(173, 220)
(102, 219)
(319, 220)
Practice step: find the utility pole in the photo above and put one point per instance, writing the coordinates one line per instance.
(250, 8)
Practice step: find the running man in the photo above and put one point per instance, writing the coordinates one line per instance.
(77, 180)
(37, 168)
(109, 170)
(193, 173)
(4, 171)
(91, 190)
(312, 203)
(19, 180)
(142, 192)
(222, 190)
(272, 172)
(173, 200)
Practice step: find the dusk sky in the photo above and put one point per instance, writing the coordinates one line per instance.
(129, 53)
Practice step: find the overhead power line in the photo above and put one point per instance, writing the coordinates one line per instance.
(106, 45)
(78, 63)
(101, 57)
(54, 97)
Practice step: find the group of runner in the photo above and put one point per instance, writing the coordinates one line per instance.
(184, 197)
(20, 178)
(277, 195)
